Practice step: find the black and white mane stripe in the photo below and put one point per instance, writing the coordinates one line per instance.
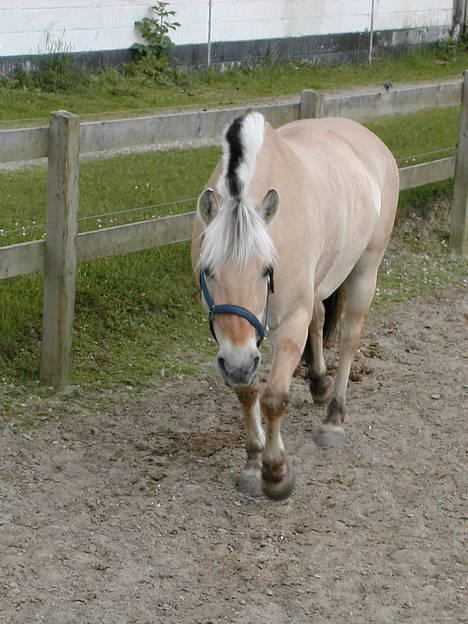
(236, 152)
(242, 142)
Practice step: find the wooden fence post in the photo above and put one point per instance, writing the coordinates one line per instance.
(459, 226)
(311, 105)
(60, 250)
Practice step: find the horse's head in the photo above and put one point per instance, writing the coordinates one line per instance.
(236, 275)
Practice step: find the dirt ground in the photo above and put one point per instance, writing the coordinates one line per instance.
(133, 517)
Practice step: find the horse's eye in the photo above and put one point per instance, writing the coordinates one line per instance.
(268, 274)
(208, 271)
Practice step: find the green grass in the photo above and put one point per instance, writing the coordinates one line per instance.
(433, 132)
(135, 183)
(137, 316)
(110, 92)
(131, 310)
(418, 261)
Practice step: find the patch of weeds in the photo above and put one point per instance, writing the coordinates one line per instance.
(114, 82)
(418, 260)
(20, 79)
(450, 50)
(56, 74)
(420, 201)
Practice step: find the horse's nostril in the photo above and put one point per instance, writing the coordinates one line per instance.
(238, 375)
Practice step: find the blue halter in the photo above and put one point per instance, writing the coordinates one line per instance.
(228, 308)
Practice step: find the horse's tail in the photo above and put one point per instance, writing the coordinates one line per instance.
(333, 308)
(334, 305)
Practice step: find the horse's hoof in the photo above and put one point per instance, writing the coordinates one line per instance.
(279, 491)
(278, 480)
(330, 436)
(249, 483)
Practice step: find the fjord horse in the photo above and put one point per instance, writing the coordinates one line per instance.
(289, 219)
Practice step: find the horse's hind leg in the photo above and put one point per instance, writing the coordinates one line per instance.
(321, 384)
(359, 290)
(249, 481)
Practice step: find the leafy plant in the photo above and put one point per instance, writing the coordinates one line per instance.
(153, 56)
(450, 49)
(55, 73)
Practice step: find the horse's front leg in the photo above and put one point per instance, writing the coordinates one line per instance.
(249, 482)
(277, 474)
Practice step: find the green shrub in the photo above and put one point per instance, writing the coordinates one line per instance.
(153, 57)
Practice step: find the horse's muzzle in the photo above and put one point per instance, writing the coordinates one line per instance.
(239, 375)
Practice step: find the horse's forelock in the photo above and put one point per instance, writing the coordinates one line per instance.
(237, 233)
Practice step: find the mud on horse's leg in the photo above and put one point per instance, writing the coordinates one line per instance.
(277, 477)
(249, 481)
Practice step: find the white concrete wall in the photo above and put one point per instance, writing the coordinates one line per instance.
(39, 26)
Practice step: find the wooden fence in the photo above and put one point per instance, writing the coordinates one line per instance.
(63, 140)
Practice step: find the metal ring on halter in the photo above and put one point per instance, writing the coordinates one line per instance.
(229, 308)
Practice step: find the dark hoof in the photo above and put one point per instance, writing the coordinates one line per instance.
(278, 481)
(249, 483)
(330, 436)
(321, 389)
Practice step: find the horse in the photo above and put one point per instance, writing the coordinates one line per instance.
(288, 236)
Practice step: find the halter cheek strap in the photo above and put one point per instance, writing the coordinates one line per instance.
(229, 308)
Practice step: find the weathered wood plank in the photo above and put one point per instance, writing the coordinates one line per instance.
(459, 225)
(21, 259)
(23, 144)
(174, 128)
(25, 258)
(60, 249)
(426, 173)
(132, 237)
(371, 102)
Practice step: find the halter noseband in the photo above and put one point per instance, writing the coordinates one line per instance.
(228, 308)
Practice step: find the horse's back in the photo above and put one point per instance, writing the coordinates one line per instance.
(347, 146)
(338, 135)
(359, 176)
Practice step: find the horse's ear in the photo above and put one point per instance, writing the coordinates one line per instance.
(207, 206)
(270, 205)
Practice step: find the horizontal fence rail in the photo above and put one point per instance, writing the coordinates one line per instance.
(427, 173)
(21, 259)
(65, 138)
(370, 102)
(100, 136)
